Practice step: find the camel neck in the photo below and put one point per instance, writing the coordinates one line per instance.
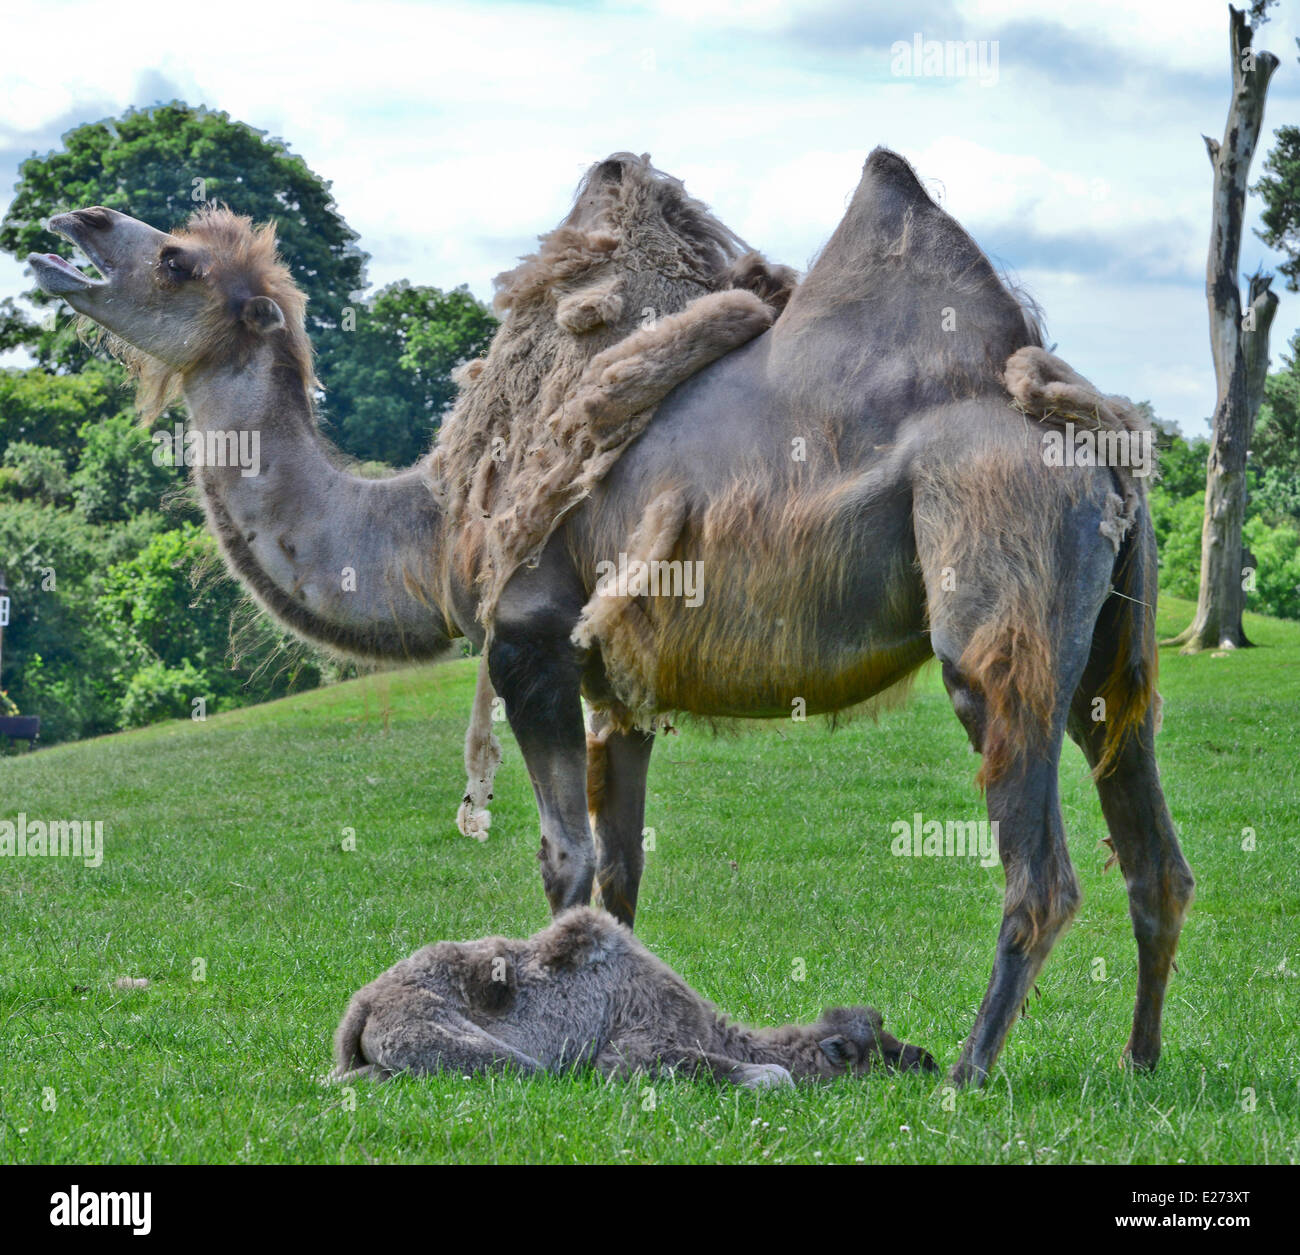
(344, 560)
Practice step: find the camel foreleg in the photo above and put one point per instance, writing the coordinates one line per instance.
(632, 1056)
(537, 674)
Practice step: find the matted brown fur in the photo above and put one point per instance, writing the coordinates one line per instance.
(594, 336)
(1009, 655)
(637, 289)
(777, 547)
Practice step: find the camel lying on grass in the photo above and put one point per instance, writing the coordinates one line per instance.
(585, 992)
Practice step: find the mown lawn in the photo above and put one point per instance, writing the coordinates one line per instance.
(223, 859)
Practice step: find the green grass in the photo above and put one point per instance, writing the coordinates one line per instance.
(223, 844)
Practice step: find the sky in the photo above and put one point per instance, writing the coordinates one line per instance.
(454, 133)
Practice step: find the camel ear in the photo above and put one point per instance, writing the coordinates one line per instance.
(261, 314)
(837, 1050)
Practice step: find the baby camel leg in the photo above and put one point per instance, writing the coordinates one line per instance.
(627, 1056)
(423, 1036)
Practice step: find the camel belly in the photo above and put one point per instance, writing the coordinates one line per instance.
(757, 682)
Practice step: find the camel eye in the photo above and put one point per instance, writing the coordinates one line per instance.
(174, 266)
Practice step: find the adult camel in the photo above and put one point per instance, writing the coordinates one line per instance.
(862, 482)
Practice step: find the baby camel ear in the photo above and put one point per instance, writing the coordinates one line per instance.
(838, 1050)
(261, 314)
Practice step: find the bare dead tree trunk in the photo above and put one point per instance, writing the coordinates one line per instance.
(1240, 347)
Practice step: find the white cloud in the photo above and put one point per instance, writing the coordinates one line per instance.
(454, 133)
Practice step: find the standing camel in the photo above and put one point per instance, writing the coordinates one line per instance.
(862, 483)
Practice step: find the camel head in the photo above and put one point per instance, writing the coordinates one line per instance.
(856, 1042)
(171, 301)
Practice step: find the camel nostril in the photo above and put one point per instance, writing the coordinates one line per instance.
(96, 217)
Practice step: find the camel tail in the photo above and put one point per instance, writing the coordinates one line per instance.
(347, 1041)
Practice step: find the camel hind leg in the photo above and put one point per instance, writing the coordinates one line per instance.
(1159, 881)
(1042, 892)
(1121, 673)
(617, 765)
(1013, 594)
(419, 1033)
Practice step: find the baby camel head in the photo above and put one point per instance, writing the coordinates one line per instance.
(213, 289)
(856, 1042)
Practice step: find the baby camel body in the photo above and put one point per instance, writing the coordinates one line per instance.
(585, 992)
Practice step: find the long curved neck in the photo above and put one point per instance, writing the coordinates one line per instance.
(345, 561)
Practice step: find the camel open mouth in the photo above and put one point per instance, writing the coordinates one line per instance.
(57, 275)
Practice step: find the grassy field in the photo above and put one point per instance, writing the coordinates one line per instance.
(223, 860)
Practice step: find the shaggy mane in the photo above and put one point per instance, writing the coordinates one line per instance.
(636, 290)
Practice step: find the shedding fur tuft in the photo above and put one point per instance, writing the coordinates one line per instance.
(639, 288)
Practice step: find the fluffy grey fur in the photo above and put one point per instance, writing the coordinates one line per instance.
(586, 992)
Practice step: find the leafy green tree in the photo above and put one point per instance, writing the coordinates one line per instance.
(1275, 450)
(1181, 461)
(117, 477)
(393, 378)
(39, 471)
(45, 408)
(157, 692)
(1177, 523)
(1280, 189)
(58, 661)
(170, 626)
(16, 329)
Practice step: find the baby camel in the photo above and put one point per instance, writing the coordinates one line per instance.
(581, 992)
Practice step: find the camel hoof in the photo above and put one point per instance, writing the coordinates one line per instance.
(964, 1074)
(1139, 1060)
(763, 1076)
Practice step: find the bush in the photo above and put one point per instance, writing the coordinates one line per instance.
(1276, 549)
(157, 692)
(1275, 546)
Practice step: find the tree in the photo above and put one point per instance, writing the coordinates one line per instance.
(384, 364)
(393, 381)
(1240, 348)
(1275, 450)
(1280, 190)
(117, 477)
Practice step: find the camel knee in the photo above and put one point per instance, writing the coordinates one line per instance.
(1039, 905)
(967, 705)
(762, 1076)
(367, 1072)
(1158, 904)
